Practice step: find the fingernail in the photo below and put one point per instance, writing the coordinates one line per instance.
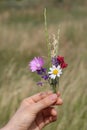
(53, 97)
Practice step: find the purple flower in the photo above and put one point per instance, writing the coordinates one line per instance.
(36, 64)
(42, 71)
(40, 84)
(45, 77)
(39, 72)
(55, 61)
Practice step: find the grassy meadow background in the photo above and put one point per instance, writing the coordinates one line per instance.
(22, 36)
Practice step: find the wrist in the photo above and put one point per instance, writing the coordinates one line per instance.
(5, 128)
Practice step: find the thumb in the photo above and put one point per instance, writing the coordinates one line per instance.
(44, 103)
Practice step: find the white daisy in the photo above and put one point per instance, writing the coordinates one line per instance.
(55, 72)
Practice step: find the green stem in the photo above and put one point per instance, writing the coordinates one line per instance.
(54, 85)
(54, 88)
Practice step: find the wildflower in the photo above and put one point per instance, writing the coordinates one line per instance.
(45, 77)
(55, 61)
(62, 62)
(36, 64)
(64, 65)
(41, 71)
(55, 72)
(40, 84)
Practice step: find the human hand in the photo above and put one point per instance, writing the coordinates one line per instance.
(35, 112)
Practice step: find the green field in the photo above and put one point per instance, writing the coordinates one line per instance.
(22, 36)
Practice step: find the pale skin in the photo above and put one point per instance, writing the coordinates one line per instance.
(35, 112)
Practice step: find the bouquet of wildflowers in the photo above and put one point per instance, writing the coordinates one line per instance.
(53, 72)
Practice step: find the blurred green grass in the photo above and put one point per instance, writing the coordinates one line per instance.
(22, 37)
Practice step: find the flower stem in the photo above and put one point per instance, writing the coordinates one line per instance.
(54, 88)
(53, 83)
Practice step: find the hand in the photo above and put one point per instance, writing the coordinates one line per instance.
(35, 112)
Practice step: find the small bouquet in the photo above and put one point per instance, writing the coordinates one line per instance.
(50, 74)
